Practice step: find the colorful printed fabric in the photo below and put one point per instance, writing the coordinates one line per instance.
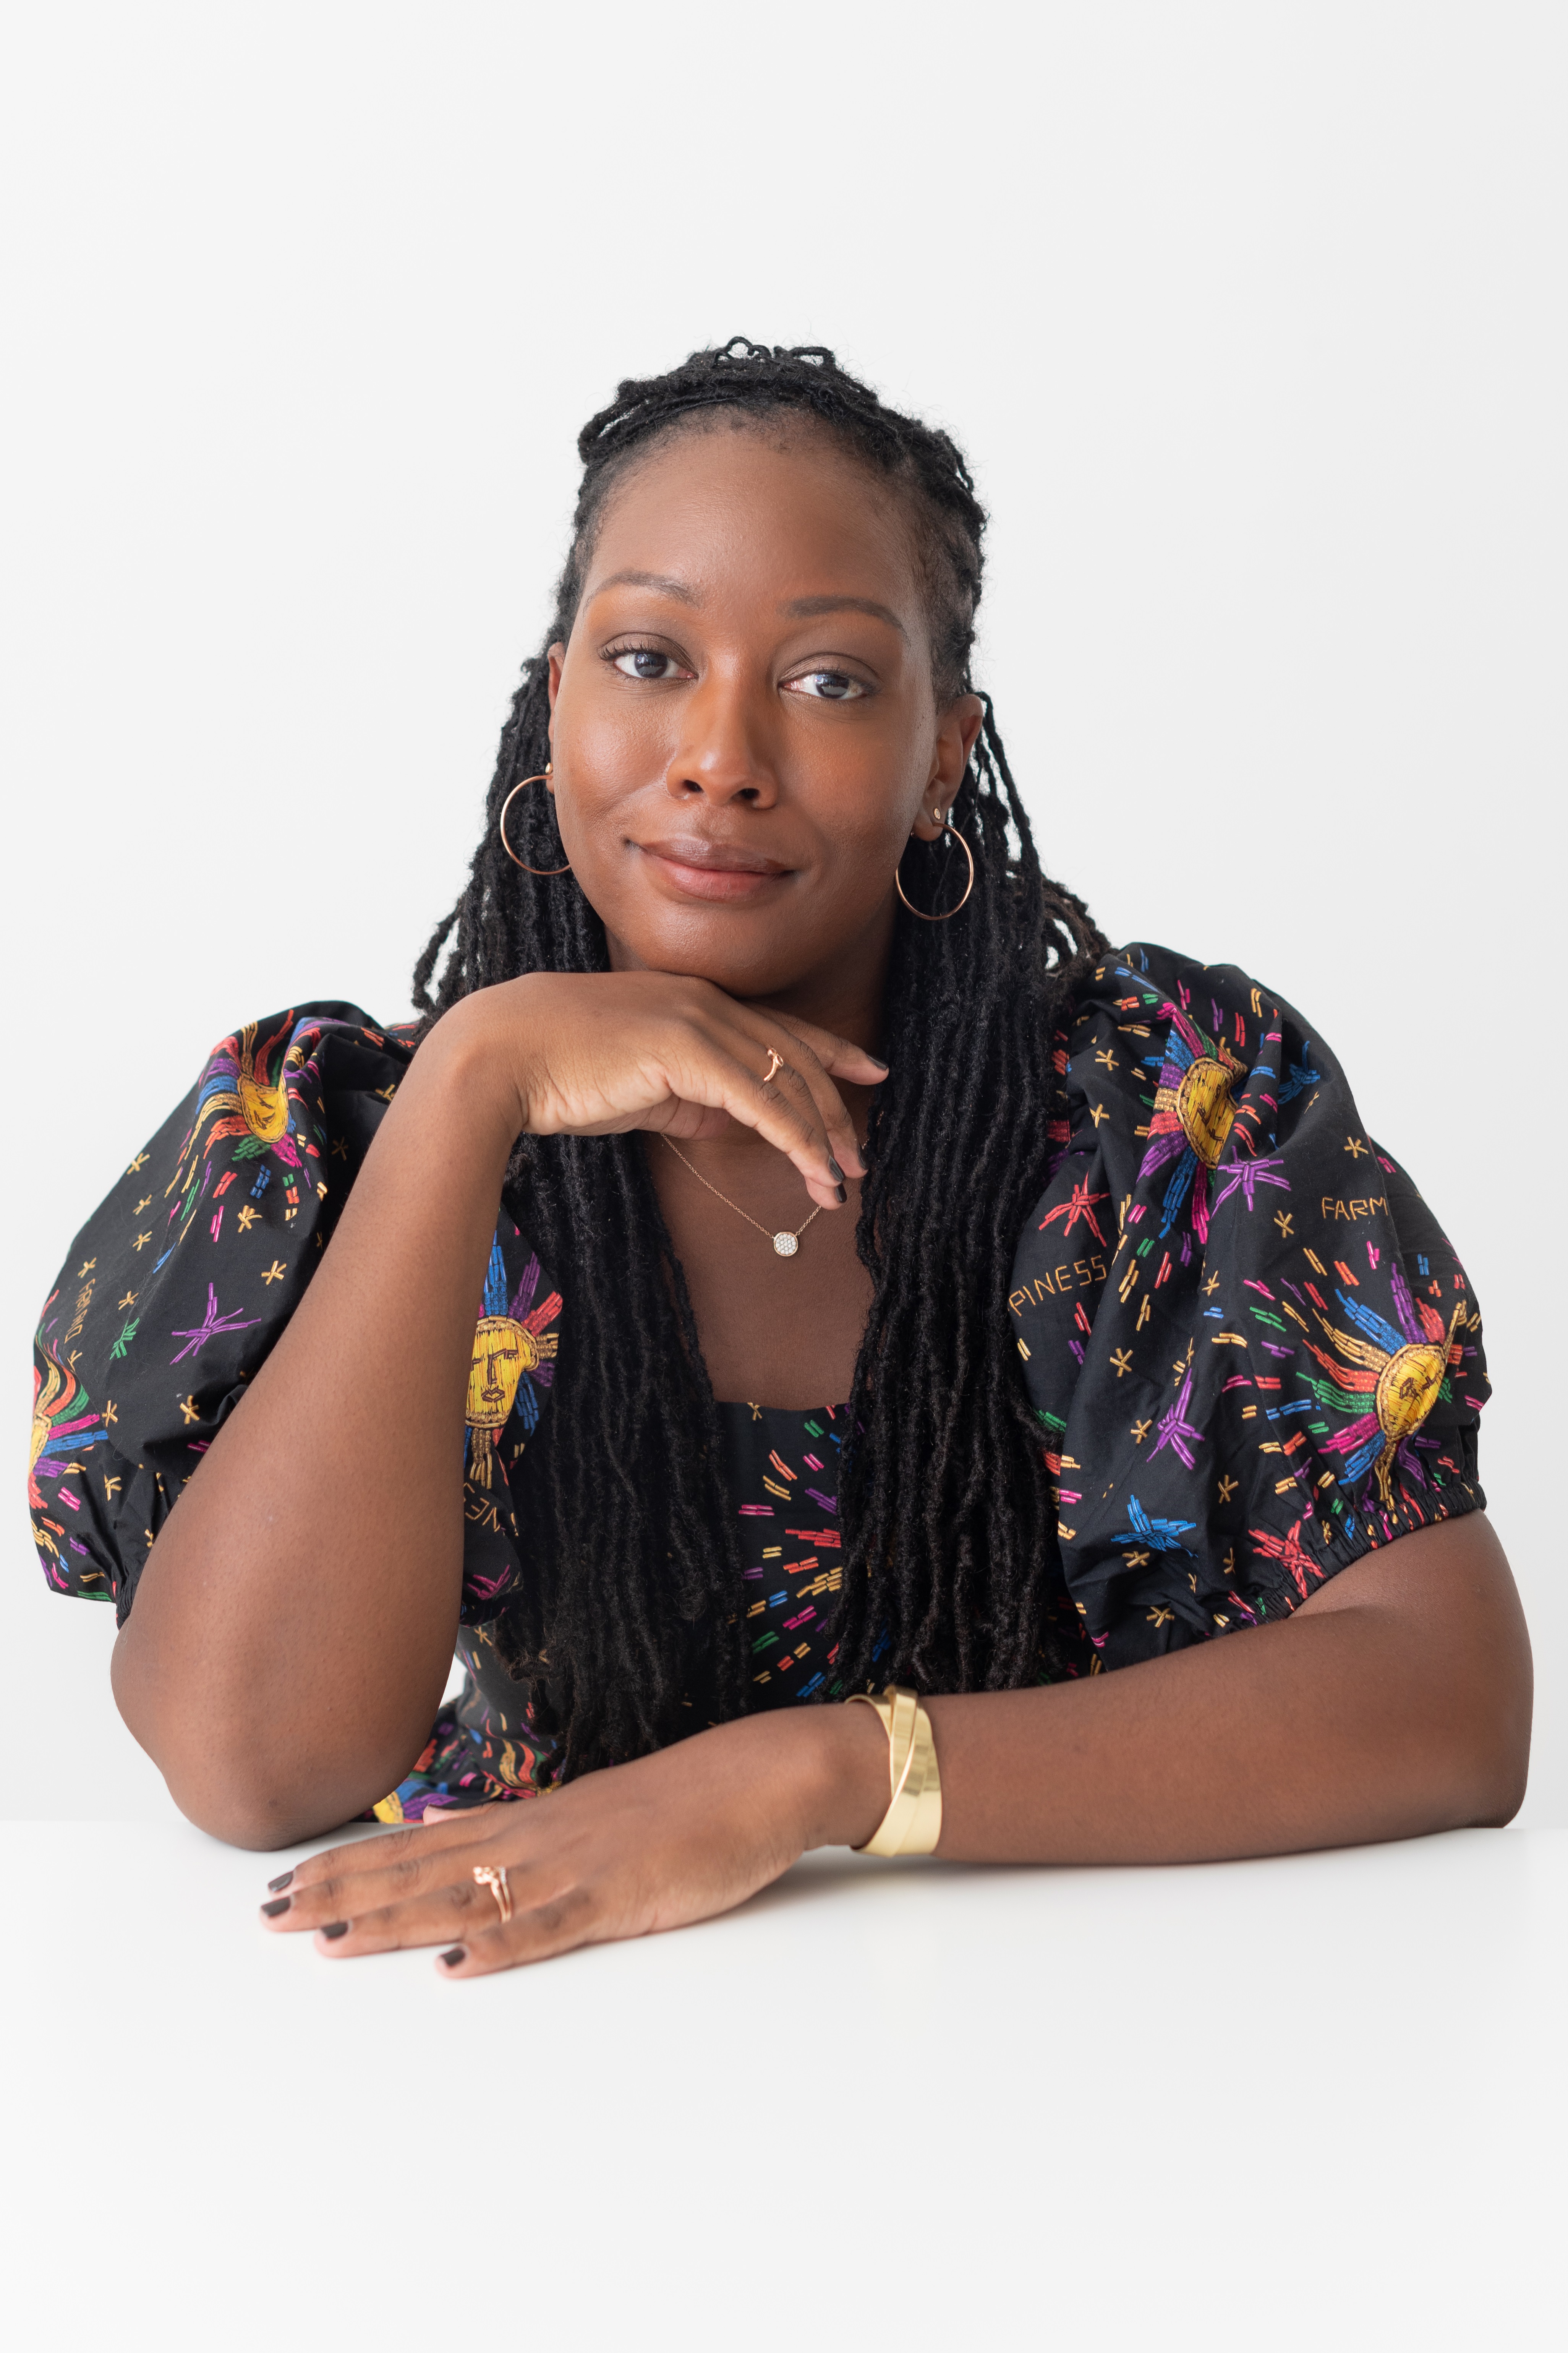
(784, 1467)
(1252, 1352)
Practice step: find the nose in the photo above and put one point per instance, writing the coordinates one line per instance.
(722, 753)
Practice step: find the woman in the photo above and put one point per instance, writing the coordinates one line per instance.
(880, 1284)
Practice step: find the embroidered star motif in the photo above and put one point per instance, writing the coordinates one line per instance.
(248, 1217)
(275, 1273)
(1122, 1360)
(1141, 1431)
(1227, 1487)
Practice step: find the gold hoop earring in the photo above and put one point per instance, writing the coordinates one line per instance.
(899, 886)
(501, 826)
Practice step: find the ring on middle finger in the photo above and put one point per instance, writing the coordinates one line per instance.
(494, 1878)
(775, 1062)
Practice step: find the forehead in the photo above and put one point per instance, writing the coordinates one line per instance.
(715, 499)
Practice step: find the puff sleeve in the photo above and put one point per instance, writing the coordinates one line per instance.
(180, 1284)
(1253, 1353)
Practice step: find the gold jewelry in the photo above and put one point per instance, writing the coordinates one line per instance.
(495, 1879)
(786, 1244)
(912, 1824)
(501, 826)
(775, 1062)
(898, 883)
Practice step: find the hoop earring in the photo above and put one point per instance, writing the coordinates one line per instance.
(899, 887)
(501, 826)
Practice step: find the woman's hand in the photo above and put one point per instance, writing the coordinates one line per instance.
(601, 1053)
(659, 1843)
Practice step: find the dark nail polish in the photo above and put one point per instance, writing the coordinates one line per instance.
(337, 1929)
(843, 1196)
(279, 1903)
(834, 1170)
(276, 1886)
(454, 1956)
(878, 1060)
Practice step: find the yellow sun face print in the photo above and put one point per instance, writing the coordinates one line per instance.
(503, 1351)
(265, 1110)
(1407, 1389)
(1206, 1108)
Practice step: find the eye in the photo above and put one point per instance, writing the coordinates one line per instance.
(645, 662)
(828, 686)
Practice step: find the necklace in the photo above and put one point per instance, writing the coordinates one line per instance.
(786, 1244)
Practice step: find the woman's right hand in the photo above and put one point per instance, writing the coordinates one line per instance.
(601, 1053)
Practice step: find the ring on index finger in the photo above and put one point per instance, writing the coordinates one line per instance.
(775, 1062)
(494, 1878)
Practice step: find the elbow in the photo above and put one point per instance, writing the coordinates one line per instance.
(1493, 1754)
(243, 1807)
(1499, 1778)
(229, 1774)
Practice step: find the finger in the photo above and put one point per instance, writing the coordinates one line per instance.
(838, 1056)
(343, 1867)
(560, 1924)
(786, 1116)
(803, 1066)
(456, 1910)
(351, 1895)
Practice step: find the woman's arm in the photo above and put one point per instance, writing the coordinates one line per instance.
(295, 1622)
(1396, 1702)
(294, 1625)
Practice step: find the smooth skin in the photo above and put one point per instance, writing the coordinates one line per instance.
(744, 739)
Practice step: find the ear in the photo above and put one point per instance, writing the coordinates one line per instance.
(956, 730)
(557, 657)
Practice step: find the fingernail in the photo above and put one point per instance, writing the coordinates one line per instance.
(834, 1170)
(454, 1956)
(878, 1060)
(337, 1929)
(843, 1196)
(281, 1903)
(275, 1886)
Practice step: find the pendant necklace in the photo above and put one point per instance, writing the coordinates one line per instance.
(786, 1244)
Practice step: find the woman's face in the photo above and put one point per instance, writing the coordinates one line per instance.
(744, 730)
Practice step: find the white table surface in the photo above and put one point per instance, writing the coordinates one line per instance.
(1312, 2102)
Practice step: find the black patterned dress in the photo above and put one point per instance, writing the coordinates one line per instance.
(1252, 1353)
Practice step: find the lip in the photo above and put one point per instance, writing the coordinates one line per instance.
(700, 869)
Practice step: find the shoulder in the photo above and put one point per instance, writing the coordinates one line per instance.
(1239, 1324)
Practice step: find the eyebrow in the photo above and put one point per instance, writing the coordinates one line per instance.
(660, 580)
(809, 609)
(799, 608)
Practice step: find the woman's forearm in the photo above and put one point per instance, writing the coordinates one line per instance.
(295, 1621)
(1396, 1702)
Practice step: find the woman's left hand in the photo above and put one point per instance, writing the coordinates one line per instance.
(657, 1843)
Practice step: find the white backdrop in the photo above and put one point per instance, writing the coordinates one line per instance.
(1249, 316)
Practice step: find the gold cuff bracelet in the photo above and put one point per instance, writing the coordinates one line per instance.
(912, 1824)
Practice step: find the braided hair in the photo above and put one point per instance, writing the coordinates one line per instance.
(629, 1630)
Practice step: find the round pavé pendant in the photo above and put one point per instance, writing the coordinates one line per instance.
(786, 1245)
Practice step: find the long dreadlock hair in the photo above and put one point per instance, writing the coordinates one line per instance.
(629, 1630)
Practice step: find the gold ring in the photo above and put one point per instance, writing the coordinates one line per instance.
(775, 1062)
(494, 1878)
